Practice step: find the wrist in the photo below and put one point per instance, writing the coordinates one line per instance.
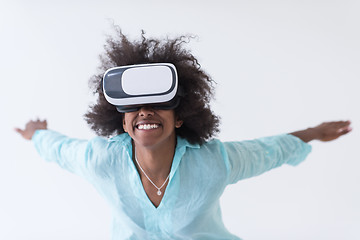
(313, 133)
(307, 135)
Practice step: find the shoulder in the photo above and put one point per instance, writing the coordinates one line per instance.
(210, 151)
(212, 145)
(107, 155)
(108, 145)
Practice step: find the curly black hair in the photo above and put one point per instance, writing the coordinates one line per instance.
(199, 122)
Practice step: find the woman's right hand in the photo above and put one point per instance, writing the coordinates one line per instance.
(31, 127)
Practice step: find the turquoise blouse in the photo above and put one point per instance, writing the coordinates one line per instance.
(190, 206)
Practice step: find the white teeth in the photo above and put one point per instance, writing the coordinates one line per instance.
(148, 126)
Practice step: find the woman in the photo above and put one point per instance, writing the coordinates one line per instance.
(162, 172)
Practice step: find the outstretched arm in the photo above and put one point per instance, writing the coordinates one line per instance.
(69, 153)
(326, 131)
(31, 127)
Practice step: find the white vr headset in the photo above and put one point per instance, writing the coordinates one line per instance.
(131, 87)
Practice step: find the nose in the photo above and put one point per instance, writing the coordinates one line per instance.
(146, 111)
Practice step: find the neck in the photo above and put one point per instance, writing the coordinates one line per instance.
(156, 162)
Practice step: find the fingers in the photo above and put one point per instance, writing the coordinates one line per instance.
(344, 130)
(343, 127)
(329, 131)
(343, 123)
(36, 122)
(333, 130)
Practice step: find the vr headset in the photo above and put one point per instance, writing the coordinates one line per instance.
(131, 87)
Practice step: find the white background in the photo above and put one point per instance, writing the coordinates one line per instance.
(280, 66)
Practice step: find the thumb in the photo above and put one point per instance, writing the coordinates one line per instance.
(19, 130)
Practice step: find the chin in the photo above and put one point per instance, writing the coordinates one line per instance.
(146, 142)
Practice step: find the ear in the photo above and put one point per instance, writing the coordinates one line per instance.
(124, 124)
(178, 123)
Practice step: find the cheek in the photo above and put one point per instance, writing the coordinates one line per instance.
(127, 127)
(126, 124)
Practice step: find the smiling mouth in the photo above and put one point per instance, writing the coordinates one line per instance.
(147, 126)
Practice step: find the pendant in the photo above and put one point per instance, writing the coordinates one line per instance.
(159, 192)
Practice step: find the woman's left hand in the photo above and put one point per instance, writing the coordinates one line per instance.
(325, 132)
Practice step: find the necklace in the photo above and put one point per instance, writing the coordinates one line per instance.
(158, 188)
